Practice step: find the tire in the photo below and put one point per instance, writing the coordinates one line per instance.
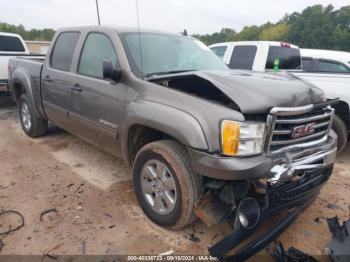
(342, 132)
(32, 125)
(172, 157)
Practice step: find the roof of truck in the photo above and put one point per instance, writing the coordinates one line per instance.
(118, 29)
(326, 54)
(9, 34)
(266, 43)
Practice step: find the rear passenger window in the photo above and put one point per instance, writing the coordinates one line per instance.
(11, 44)
(219, 51)
(243, 57)
(62, 54)
(332, 67)
(97, 47)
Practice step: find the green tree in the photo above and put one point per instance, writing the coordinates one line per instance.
(33, 34)
(277, 32)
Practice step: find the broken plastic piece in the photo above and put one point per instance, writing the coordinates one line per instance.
(292, 254)
(339, 247)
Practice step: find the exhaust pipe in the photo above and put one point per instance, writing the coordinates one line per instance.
(248, 212)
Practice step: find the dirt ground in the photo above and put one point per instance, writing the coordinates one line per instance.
(97, 212)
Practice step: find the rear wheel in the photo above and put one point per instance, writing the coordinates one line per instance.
(339, 127)
(32, 125)
(166, 186)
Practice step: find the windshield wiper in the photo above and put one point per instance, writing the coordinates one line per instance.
(154, 75)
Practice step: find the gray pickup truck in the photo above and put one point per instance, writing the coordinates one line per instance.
(202, 141)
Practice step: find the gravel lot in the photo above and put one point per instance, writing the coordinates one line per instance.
(97, 212)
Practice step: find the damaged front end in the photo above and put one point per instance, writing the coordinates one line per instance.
(248, 205)
(299, 168)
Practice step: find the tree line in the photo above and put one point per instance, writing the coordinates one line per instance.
(33, 34)
(315, 27)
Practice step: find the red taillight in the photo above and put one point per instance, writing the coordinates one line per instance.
(285, 45)
(9, 72)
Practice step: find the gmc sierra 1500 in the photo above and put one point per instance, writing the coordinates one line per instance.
(202, 140)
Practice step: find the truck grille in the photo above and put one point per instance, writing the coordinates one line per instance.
(290, 127)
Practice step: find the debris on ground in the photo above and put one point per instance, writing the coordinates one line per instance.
(79, 189)
(11, 229)
(167, 253)
(334, 206)
(338, 248)
(1, 244)
(46, 253)
(46, 211)
(317, 220)
(83, 247)
(193, 238)
(292, 254)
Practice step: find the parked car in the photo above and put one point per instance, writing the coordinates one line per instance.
(11, 45)
(202, 141)
(325, 61)
(262, 55)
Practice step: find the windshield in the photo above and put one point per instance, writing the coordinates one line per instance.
(163, 54)
(289, 58)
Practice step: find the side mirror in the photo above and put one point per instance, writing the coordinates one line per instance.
(109, 72)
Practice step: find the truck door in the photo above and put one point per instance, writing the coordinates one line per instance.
(57, 78)
(96, 104)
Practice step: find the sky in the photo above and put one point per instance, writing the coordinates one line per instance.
(197, 16)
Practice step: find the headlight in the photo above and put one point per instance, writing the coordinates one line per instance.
(242, 138)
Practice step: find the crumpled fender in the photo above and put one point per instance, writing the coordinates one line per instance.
(176, 123)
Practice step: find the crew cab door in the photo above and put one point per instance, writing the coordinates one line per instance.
(57, 78)
(96, 104)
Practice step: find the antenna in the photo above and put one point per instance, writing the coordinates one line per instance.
(98, 13)
(139, 32)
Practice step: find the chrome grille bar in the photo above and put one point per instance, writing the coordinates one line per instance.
(303, 120)
(292, 141)
(282, 121)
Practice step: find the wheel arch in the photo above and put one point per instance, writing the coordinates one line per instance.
(342, 110)
(149, 121)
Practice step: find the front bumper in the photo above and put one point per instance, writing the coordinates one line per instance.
(293, 197)
(273, 166)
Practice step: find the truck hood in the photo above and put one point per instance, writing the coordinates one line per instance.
(256, 93)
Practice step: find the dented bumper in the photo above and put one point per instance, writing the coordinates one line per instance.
(278, 166)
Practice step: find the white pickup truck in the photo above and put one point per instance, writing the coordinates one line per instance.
(269, 56)
(11, 45)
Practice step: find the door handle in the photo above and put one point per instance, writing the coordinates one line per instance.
(76, 88)
(47, 78)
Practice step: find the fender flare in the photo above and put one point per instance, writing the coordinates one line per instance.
(169, 120)
(22, 77)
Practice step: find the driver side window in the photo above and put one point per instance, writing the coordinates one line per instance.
(97, 47)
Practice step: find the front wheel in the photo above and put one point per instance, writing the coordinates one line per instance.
(31, 124)
(340, 129)
(166, 187)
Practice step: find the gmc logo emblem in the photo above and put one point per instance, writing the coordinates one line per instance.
(304, 130)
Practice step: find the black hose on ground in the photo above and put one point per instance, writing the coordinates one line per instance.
(16, 228)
